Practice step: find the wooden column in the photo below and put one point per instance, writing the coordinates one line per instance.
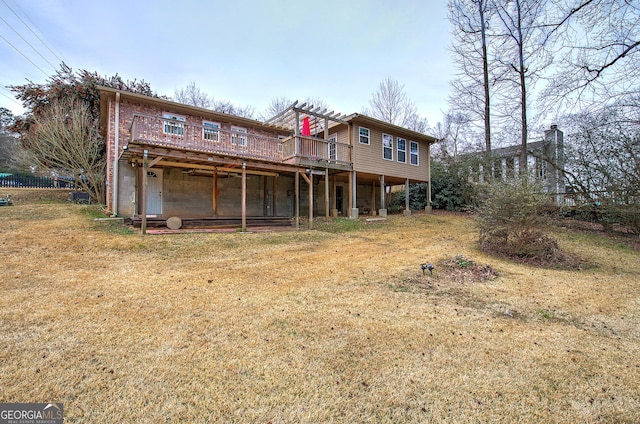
(406, 195)
(373, 197)
(143, 192)
(310, 201)
(244, 197)
(136, 197)
(309, 180)
(296, 195)
(265, 196)
(334, 201)
(326, 193)
(349, 195)
(383, 197)
(354, 194)
(215, 193)
(275, 195)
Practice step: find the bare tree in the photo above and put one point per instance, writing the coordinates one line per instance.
(603, 152)
(192, 95)
(523, 55)
(472, 86)
(8, 140)
(279, 104)
(275, 106)
(454, 133)
(225, 106)
(391, 104)
(65, 139)
(417, 123)
(598, 46)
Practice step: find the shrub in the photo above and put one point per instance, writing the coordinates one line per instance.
(450, 189)
(509, 218)
(450, 186)
(508, 208)
(417, 198)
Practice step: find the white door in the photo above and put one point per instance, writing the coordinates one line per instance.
(333, 147)
(154, 192)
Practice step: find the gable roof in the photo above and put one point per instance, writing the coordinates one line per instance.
(358, 118)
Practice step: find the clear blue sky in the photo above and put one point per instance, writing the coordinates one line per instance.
(244, 51)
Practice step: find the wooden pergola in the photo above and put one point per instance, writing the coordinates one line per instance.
(290, 118)
(319, 122)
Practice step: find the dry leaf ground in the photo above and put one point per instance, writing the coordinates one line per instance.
(337, 324)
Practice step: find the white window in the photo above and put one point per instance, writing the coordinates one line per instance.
(333, 147)
(387, 147)
(210, 131)
(413, 158)
(364, 135)
(239, 136)
(173, 124)
(402, 149)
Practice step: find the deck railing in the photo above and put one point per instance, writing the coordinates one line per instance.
(312, 148)
(178, 134)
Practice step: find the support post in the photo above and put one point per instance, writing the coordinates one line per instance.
(383, 201)
(265, 196)
(349, 196)
(334, 202)
(373, 198)
(310, 201)
(326, 193)
(428, 207)
(215, 193)
(297, 199)
(354, 196)
(143, 194)
(244, 197)
(275, 195)
(407, 209)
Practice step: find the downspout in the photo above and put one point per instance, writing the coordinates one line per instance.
(116, 158)
(427, 208)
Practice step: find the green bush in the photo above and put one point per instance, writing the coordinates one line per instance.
(450, 189)
(450, 186)
(417, 198)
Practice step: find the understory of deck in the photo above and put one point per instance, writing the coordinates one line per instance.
(215, 222)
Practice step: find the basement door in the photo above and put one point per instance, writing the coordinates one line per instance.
(154, 192)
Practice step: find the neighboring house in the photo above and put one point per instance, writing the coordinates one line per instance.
(545, 158)
(166, 159)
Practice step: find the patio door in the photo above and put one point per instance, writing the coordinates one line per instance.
(154, 191)
(333, 147)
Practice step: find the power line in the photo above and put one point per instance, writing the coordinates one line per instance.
(18, 50)
(29, 44)
(29, 28)
(12, 99)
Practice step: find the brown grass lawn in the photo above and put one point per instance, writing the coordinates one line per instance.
(332, 325)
